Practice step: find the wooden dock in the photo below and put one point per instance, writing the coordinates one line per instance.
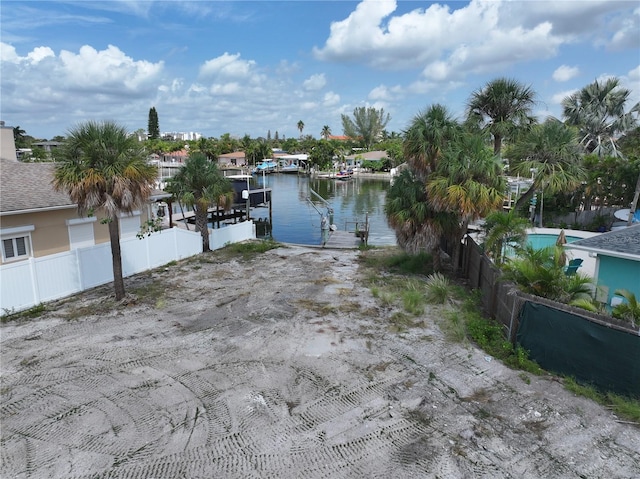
(343, 240)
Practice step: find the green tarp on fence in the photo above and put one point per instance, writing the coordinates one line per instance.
(571, 345)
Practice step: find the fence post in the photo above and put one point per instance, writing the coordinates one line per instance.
(34, 281)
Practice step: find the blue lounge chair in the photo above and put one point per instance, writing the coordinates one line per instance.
(573, 266)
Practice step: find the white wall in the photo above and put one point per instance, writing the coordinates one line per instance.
(37, 280)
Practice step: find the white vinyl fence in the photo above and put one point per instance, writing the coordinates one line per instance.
(25, 284)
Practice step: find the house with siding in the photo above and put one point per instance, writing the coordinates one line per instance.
(617, 255)
(36, 220)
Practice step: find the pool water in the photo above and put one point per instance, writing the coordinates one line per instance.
(540, 240)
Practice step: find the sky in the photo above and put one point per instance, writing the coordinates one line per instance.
(259, 67)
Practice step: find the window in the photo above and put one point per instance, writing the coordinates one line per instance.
(81, 232)
(16, 243)
(129, 224)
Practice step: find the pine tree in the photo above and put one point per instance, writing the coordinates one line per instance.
(154, 126)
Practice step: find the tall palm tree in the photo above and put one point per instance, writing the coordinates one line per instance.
(503, 106)
(598, 110)
(300, 127)
(326, 132)
(426, 138)
(103, 169)
(551, 152)
(417, 225)
(199, 184)
(468, 182)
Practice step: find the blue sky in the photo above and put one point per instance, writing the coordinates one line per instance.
(249, 67)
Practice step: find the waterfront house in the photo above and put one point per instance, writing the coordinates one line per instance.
(236, 158)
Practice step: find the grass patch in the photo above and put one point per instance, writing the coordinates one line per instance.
(250, 249)
(399, 322)
(438, 288)
(413, 300)
(321, 308)
(33, 312)
(453, 326)
(624, 407)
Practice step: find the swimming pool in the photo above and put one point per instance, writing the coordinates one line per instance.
(542, 240)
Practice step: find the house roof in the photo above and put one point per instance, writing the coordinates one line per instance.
(27, 186)
(622, 243)
(235, 154)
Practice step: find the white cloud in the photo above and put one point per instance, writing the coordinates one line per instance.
(558, 97)
(381, 93)
(565, 73)
(627, 32)
(8, 53)
(315, 82)
(331, 99)
(40, 53)
(480, 37)
(227, 66)
(93, 70)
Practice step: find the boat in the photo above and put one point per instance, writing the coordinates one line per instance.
(290, 168)
(266, 166)
(344, 175)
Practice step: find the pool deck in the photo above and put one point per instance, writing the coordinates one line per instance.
(588, 266)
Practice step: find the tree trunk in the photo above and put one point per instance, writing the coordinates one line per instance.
(201, 225)
(116, 258)
(526, 197)
(497, 144)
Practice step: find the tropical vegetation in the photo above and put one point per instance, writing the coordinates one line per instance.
(200, 185)
(503, 107)
(366, 125)
(598, 110)
(104, 170)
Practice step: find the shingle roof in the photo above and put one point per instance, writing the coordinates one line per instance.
(624, 241)
(27, 186)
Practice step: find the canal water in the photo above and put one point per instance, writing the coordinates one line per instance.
(297, 212)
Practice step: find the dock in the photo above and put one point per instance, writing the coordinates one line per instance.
(343, 240)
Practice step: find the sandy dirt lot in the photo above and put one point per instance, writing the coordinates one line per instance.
(280, 366)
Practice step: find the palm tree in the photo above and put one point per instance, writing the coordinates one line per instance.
(503, 106)
(326, 132)
(598, 111)
(427, 136)
(628, 310)
(199, 184)
(502, 227)
(468, 182)
(417, 226)
(541, 272)
(300, 127)
(551, 151)
(103, 169)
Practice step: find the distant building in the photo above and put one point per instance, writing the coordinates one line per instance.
(182, 136)
(7, 143)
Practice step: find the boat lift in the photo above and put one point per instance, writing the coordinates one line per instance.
(326, 221)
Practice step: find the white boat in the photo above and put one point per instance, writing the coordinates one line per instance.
(266, 166)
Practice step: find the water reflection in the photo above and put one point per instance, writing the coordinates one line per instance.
(297, 220)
